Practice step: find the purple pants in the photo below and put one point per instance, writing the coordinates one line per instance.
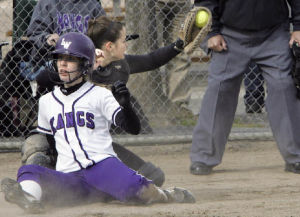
(106, 180)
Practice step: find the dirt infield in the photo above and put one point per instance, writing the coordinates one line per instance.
(250, 182)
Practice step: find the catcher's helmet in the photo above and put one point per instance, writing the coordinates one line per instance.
(74, 44)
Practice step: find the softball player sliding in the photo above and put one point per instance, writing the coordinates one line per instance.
(78, 114)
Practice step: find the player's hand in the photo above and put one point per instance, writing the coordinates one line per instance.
(217, 43)
(52, 39)
(99, 58)
(295, 37)
(121, 93)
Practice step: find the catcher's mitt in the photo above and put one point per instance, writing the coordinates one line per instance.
(192, 35)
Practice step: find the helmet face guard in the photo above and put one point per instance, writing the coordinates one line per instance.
(77, 45)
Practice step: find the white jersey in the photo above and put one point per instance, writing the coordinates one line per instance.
(80, 123)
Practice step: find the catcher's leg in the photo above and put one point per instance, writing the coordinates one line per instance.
(37, 150)
(133, 161)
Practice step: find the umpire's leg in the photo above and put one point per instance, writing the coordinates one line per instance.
(282, 105)
(220, 101)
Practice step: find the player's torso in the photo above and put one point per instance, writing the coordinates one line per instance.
(81, 130)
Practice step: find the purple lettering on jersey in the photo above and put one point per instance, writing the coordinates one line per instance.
(66, 21)
(72, 20)
(70, 120)
(60, 122)
(52, 126)
(90, 120)
(80, 121)
(86, 20)
(60, 23)
(78, 22)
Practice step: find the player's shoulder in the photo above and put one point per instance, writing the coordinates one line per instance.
(45, 99)
(46, 96)
(101, 89)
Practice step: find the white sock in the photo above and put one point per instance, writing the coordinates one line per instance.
(33, 189)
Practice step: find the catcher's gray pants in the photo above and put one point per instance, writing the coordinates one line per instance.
(270, 50)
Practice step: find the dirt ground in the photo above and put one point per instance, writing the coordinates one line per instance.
(250, 182)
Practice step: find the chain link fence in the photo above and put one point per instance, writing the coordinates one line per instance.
(167, 99)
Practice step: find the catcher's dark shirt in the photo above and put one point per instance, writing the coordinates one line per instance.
(252, 15)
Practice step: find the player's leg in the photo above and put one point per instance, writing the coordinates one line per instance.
(14, 194)
(27, 191)
(38, 185)
(124, 184)
(153, 194)
(39, 149)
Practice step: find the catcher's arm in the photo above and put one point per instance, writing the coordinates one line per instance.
(126, 118)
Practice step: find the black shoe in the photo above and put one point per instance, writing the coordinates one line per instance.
(294, 168)
(253, 108)
(198, 168)
(14, 194)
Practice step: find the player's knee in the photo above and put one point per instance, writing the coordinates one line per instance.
(29, 172)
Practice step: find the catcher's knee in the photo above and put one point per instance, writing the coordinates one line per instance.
(41, 159)
(153, 173)
(35, 150)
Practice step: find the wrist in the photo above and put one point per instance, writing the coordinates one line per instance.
(126, 105)
(179, 45)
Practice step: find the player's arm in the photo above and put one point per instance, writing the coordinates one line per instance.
(126, 118)
(40, 24)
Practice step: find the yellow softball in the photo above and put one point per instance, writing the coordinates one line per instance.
(201, 18)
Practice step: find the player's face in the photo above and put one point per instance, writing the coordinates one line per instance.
(67, 67)
(120, 46)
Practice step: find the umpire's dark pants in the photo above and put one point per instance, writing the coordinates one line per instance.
(270, 50)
